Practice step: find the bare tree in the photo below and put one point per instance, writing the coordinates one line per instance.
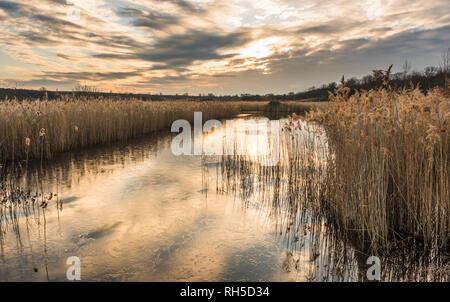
(86, 89)
(445, 63)
(406, 68)
(430, 71)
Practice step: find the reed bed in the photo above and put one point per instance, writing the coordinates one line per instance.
(291, 194)
(387, 177)
(40, 128)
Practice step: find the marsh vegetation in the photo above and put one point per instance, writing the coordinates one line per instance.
(388, 167)
(367, 174)
(41, 128)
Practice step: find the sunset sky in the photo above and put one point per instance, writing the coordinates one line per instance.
(218, 46)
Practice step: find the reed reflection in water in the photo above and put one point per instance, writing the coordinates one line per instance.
(288, 193)
(135, 212)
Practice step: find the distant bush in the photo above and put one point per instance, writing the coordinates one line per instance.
(274, 103)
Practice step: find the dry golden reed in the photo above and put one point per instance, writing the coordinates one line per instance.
(41, 128)
(388, 167)
(28, 128)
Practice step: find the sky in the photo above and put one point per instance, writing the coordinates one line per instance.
(224, 47)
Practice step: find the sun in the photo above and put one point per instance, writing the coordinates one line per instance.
(263, 48)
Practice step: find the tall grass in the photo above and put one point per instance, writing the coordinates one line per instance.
(388, 167)
(40, 128)
(295, 194)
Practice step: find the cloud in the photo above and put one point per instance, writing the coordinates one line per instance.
(37, 83)
(230, 45)
(148, 19)
(184, 49)
(185, 5)
(330, 27)
(45, 82)
(10, 7)
(93, 76)
(181, 50)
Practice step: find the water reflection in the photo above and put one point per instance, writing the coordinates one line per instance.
(135, 212)
(315, 250)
